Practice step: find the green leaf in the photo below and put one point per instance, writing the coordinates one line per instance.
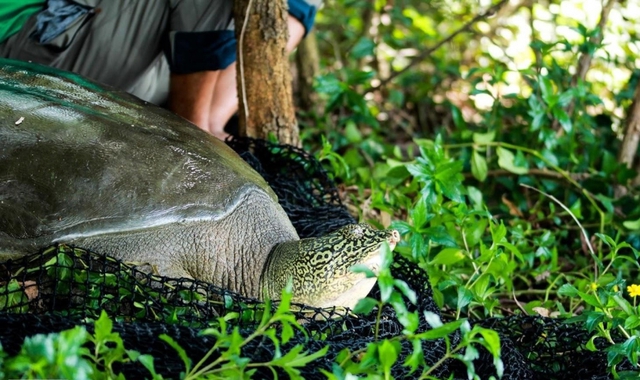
(565, 98)
(362, 268)
(562, 117)
(590, 299)
(406, 290)
(478, 166)
(458, 119)
(484, 138)
(475, 196)
(147, 362)
(296, 358)
(329, 84)
(464, 297)
(388, 354)
(103, 325)
(623, 303)
(352, 133)
(576, 208)
(633, 225)
(593, 319)
(363, 48)
(492, 341)
(448, 256)
(365, 305)
(442, 331)
(546, 88)
(630, 347)
(416, 359)
(419, 213)
(432, 319)
(591, 346)
(506, 161)
(181, 352)
(632, 322)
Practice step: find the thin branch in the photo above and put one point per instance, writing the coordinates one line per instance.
(596, 262)
(537, 173)
(426, 53)
(631, 139)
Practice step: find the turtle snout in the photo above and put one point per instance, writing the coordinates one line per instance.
(394, 238)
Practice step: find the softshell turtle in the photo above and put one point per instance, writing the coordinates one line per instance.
(102, 170)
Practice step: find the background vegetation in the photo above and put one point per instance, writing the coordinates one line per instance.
(497, 137)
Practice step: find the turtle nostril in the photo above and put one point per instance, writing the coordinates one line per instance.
(395, 236)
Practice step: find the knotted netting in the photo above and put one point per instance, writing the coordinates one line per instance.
(62, 287)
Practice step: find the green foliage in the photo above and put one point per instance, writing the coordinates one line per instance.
(65, 355)
(497, 163)
(229, 361)
(378, 357)
(68, 270)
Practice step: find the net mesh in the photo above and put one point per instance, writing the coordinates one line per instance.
(63, 286)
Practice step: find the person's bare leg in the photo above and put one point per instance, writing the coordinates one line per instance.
(296, 32)
(224, 102)
(209, 98)
(190, 95)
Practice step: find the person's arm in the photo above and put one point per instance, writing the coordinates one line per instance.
(209, 98)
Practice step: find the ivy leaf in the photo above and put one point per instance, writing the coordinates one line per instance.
(478, 166)
(484, 138)
(506, 161)
(363, 48)
(458, 120)
(562, 117)
(546, 87)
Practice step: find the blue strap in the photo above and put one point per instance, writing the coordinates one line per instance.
(55, 19)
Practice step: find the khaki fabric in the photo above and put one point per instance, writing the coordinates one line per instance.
(119, 34)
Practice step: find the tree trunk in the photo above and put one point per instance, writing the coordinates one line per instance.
(308, 65)
(264, 81)
(631, 139)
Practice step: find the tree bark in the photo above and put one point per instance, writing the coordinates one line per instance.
(265, 103)
(631, 138)
(308, 65)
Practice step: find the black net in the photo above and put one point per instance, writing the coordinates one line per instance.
(62, 287)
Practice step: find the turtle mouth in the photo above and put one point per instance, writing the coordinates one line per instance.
(374, 261)
(394, 239)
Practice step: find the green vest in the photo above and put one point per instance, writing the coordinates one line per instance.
(14, 13)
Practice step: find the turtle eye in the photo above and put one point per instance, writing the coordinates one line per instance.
(357, 231)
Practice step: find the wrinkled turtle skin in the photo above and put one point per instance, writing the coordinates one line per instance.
(105, 171)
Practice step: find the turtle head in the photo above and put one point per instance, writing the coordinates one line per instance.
(320, 268)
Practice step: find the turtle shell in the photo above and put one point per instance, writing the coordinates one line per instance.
(78, 159)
